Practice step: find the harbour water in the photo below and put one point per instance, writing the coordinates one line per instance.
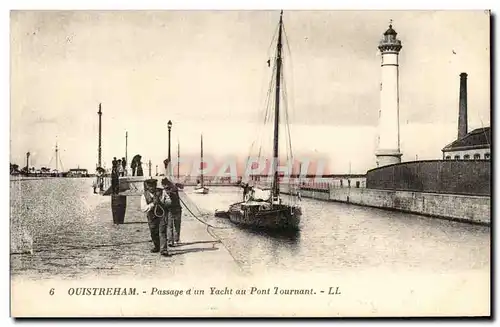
(60, 228)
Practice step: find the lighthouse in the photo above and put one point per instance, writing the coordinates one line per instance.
(388, 151)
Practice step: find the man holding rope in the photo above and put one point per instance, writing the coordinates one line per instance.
(155, 202)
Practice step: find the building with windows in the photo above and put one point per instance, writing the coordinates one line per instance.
(475, 145)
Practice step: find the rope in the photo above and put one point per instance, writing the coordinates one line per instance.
(200, 220)
(155, 211)
(215, 237)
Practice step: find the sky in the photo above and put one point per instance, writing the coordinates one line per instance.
(206, 71)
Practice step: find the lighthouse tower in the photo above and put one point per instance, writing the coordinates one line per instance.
(388, 151)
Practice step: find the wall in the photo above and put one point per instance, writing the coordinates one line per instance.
(316, 194)
(450, 206)
(468, 208)
(466, 177)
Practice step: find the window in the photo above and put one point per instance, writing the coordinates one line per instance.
(487, 156)
(448, 157)
(466, 157)
(477, 156)
(357, 184)
(457, 157)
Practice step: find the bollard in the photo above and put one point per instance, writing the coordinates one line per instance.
(118, 208)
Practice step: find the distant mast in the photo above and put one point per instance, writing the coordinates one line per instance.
(201, 162)
(126, 146)
(178, 160)
(100, 130)
(276, 188)
(57, 158)
(27, 162)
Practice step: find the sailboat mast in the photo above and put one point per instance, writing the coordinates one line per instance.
(276, 188)
(178, 160)
(126, 146)
(99, 149)
(57, 158)
(201, 162)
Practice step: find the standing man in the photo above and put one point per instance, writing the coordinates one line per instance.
(124, 165)
(246, 190)
(120, 168)
(174, 226)
(140, 172)
(155, 203)
(115, 183)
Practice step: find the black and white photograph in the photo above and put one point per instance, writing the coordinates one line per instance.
(250, 163)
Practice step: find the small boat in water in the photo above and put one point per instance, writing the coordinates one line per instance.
(200, 188)
(221, 214)
(270, 212)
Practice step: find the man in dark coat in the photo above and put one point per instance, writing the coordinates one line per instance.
(124, 165)
(115, 181)
(140, 172)
(175, 212)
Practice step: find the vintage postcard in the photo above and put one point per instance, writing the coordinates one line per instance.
(250, 163)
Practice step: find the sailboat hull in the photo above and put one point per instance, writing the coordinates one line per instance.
(277, 217)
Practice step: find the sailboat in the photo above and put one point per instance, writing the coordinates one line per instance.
(270, 212)
(200, 188)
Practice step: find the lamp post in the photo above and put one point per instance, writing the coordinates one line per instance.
(169, 125)
(27, 163)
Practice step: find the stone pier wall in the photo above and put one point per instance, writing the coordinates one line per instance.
(475, 209)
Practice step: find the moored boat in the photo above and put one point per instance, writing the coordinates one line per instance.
(267, 215)
(200, 188)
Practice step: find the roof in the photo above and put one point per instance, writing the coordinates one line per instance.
(390, 31)
(478, 138)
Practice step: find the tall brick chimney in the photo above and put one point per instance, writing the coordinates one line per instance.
(462, 110)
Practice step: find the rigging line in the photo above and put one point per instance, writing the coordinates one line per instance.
(292, 79)
(269, 92)
(285, 116)
(287, 42)
(48, 166)
(268, 112)
(268, 54)
(264, 77)
(60, 161)
(289, 148)
(287, 120)
(285, 100)
(273, 42)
